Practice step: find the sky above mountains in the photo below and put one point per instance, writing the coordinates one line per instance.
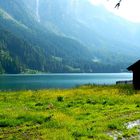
(129, 9)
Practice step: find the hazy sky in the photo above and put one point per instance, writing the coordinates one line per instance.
(129, 9)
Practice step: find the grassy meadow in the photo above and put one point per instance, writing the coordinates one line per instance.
(86, 112)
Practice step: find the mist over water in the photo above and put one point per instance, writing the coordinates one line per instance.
(37, 10)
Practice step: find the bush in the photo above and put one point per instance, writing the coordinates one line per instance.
(60, 98)
(77, 134)
(9, 123)
(112, 126)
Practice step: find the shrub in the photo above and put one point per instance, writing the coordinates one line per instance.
(48, 118)
(112, 126)
(9, 123)
(38, 104)
(31, 118)
(77, 134)
(90, 101)
(60, 98)
(104, 102)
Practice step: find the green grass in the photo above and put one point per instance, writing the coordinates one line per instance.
(86, 112)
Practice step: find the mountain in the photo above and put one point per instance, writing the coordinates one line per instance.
(61, 54)
(64, 36)
(98, 29)
(94, 26)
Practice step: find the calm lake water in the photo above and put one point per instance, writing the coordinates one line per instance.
(42, 81)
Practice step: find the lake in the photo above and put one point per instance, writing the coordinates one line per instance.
(42, 81)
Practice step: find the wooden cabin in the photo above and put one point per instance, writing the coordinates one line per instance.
(135, 68)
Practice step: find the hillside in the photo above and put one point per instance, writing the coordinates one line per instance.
(98, 29)
(62, 38)
(16, 55)
(56, 50)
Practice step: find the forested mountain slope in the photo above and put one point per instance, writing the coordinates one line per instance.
(64, 36)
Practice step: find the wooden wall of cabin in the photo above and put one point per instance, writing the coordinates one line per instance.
(136, 79)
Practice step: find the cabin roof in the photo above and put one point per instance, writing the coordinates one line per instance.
(134, 66)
